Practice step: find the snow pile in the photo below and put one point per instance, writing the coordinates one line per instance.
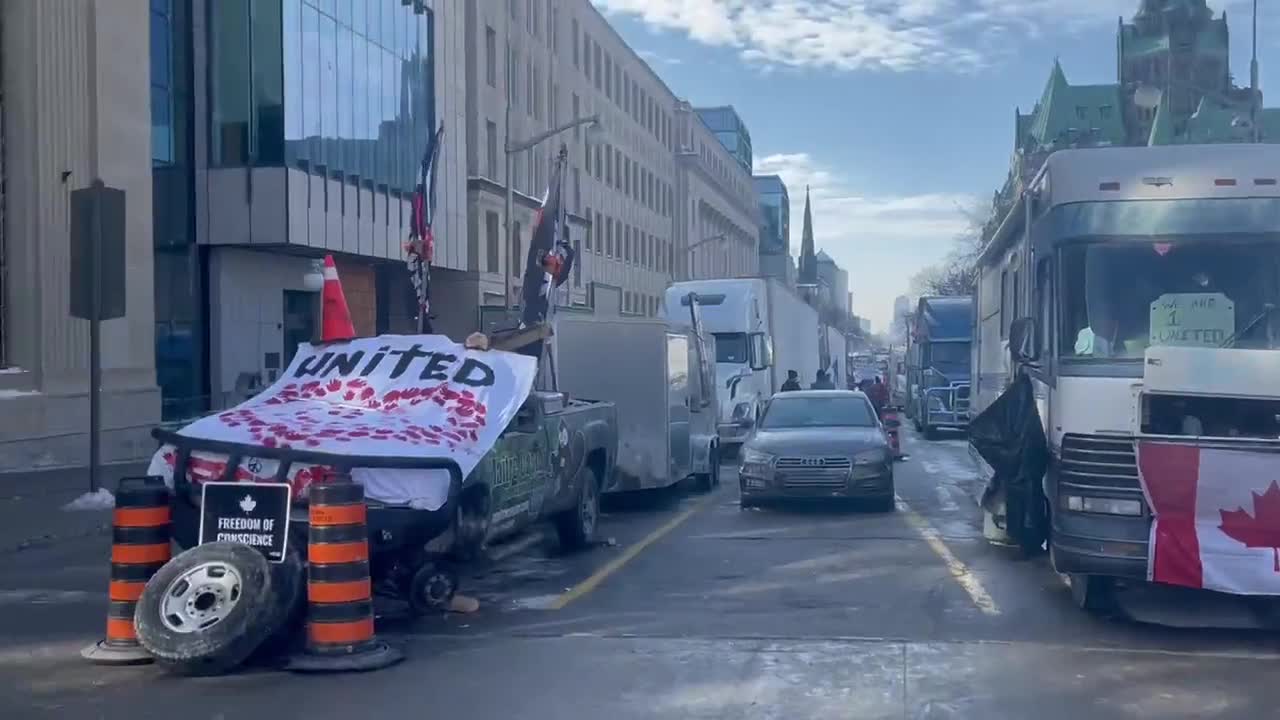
(100, 500)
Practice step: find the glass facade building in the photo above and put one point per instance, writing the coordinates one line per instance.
(340, 88)
(775, 207)
(180, 308)
(730, 131)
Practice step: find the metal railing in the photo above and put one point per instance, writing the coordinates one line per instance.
(954, 401)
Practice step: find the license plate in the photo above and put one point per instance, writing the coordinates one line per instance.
(253, 514)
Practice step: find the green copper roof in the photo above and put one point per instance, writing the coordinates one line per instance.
(1064, 108)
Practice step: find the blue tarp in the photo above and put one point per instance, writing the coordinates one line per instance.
(945, 318)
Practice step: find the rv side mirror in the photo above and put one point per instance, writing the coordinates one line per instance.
(1023, 340)
(761, 351)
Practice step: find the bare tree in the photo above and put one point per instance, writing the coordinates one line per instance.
(958, 273)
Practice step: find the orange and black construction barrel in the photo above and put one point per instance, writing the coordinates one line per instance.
(140, 537)
(340, 632)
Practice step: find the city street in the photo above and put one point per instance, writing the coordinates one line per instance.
(697, 609)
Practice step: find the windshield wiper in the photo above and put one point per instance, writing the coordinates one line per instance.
(1267, 309)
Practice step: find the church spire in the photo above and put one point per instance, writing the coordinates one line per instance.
(808, 274)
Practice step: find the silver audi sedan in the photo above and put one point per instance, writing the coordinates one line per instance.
(812, 444)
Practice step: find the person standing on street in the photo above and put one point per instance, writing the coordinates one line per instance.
(793, 381)
(822, 382)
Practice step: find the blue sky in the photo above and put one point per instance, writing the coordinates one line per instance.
(898, 113)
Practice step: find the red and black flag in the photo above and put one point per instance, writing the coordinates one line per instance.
(551, 256)
(420, 249)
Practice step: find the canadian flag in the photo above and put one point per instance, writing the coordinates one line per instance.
(1217, 516)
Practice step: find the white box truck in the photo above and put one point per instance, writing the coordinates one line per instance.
(761, 330)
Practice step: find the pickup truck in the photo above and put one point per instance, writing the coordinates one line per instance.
(550, 463)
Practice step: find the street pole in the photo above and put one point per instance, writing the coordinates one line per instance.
(95, 258)
(510, 200)
(1253, 80)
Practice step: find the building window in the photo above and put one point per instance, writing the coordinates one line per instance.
(576, 43)
(577, 266)
(1082, 112)
(599, 63)
(491, 57)
(608, 237)
(608, 76)
(586, 54)
(577, 129)
(590, 228)
(491, 149)
(358, 96)
(577, 188)
(608, 166)
(617, 160)
(516, 264)
(627, 246)
(1105, 112)
(491, 242)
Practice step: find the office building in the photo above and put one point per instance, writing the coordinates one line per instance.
(775, 228)
(533, 67)
(70, 113)
(717, 218)
(310, 120)
(730, 130)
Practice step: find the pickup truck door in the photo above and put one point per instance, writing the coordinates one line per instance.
(520, 471)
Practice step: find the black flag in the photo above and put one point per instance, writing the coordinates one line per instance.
(550, 257)
(420, 249)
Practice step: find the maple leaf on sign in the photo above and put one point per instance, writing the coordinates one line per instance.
(1260, 530)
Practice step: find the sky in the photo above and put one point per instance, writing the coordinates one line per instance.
(898, 114)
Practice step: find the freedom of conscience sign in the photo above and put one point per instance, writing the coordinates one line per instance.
(387, 396)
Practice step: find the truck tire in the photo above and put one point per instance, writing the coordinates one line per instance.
(705, 482)
(288, 582)
(577, 526)
(1093, 593)
(207, 609)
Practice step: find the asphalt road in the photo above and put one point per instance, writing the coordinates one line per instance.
(698, 609)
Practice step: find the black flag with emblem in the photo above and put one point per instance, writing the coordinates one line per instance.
(550, 256)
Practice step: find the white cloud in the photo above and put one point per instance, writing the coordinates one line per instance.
(654, 58)
(882, 240)
(896, 35)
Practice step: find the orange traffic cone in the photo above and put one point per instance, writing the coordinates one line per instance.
(335, 318)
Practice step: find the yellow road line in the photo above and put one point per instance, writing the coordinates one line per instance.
(959, 571)
(627, 556)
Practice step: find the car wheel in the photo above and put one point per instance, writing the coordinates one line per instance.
(432, 588)
(577, 526)
(208, 609)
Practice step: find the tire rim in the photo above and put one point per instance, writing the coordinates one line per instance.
(200, 598)
(588, 509)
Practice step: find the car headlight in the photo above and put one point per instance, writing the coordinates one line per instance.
(871, 457)
(741, 410)
(755, 457)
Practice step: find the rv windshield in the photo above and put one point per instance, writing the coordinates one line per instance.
(731, 348)
(1119, 297)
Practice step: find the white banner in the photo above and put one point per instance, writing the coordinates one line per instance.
(387, 396)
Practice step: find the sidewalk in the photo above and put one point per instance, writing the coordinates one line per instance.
(31, 503)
